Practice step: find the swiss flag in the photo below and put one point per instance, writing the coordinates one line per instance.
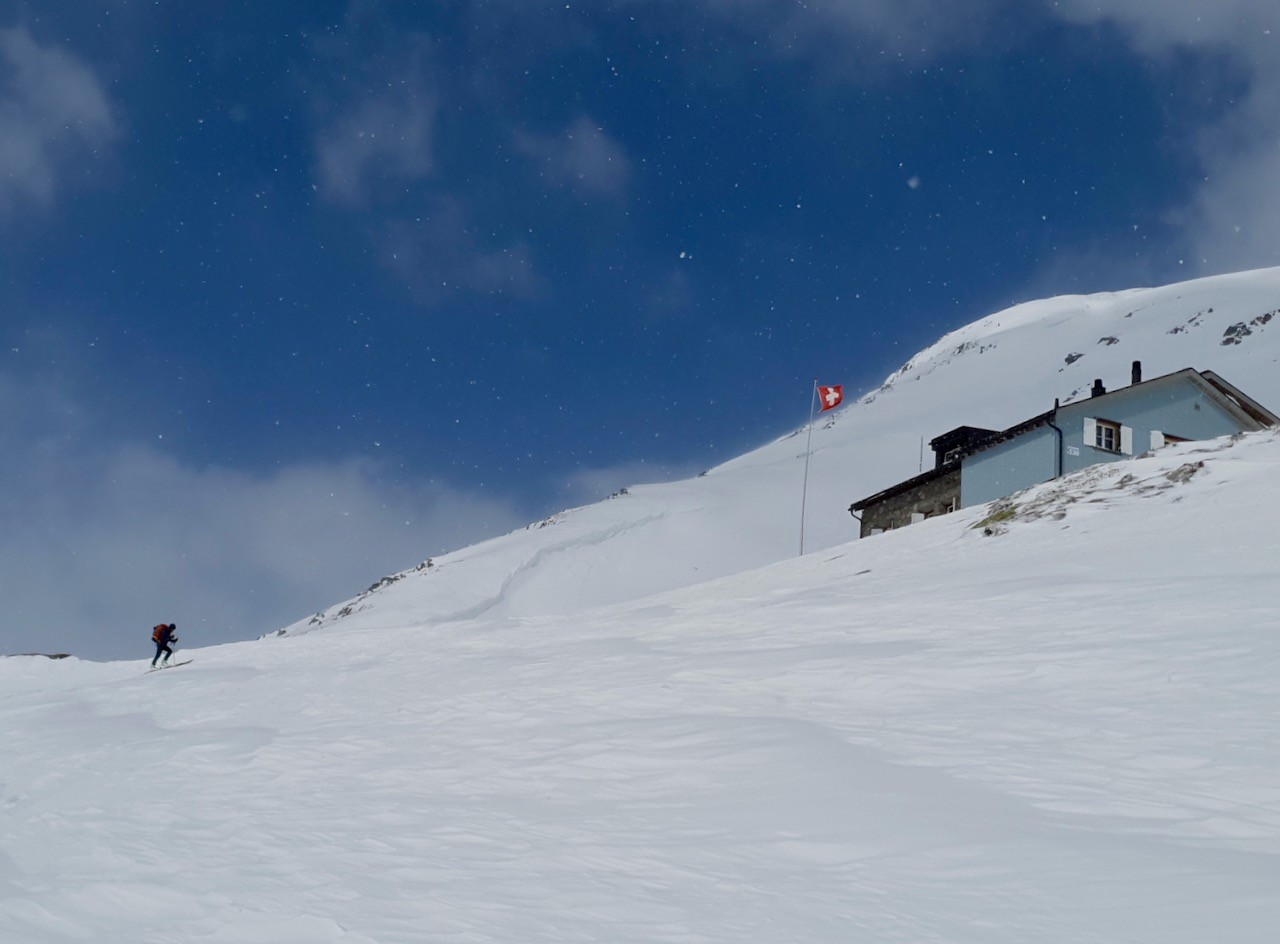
(831, 397)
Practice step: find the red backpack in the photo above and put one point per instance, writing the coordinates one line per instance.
(157, 634)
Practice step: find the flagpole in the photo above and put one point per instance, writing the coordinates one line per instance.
(804, 493)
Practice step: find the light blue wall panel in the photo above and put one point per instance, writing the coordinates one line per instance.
(1008, 467)
(1176, 407)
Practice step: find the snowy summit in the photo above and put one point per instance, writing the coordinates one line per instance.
(1050, 718)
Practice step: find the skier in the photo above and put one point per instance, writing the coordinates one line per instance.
(162, 636)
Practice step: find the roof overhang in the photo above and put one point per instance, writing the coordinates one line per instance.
(924, 477)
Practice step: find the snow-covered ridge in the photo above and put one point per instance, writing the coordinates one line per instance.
(743, 514)
(1212, 305)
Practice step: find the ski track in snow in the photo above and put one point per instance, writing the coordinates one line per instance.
(526, 569)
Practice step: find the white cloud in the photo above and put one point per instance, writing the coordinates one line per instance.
(593, 484)
(582, 158)
(861, 37)
(53, 114)
(375, 96)
(376, 143)
(375, 138)
(1157, 26)
(101, 539)
(1232, 220)
(439, 254)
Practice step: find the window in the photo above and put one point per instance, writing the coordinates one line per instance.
(1159, 440)
(1107, 436)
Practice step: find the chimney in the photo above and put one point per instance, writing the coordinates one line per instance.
(1136, 377)
(1098, 390)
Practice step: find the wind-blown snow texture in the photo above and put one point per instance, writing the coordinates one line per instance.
(1049, 720)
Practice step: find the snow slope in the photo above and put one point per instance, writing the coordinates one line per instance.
(1051, 720)
(746, 513)
(1054, 726)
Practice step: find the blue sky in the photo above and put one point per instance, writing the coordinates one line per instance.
(297, 294)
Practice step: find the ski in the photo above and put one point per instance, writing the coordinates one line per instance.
(171, 665)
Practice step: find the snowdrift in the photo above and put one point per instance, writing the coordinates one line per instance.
(1052, 720)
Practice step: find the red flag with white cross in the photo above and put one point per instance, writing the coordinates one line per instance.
(831, 397)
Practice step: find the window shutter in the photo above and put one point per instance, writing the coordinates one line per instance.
(1090, 431)
(1157, 439)
(1126, 440)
